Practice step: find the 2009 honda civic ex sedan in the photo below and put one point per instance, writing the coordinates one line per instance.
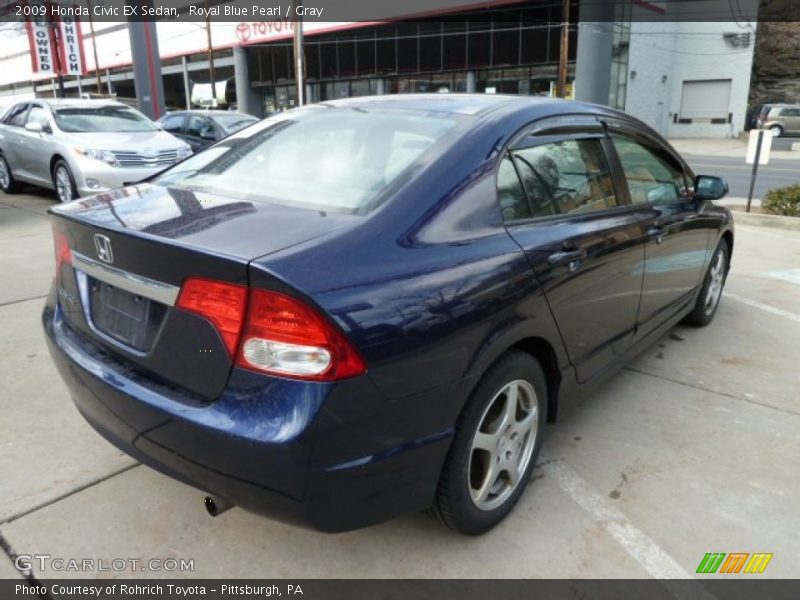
(368, 307)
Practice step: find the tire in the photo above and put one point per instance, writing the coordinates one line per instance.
(477, 488)
(7, 183)
(64, 182)
(708, 299)
(777, 130)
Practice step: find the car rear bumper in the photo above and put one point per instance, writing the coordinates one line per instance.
(93, 176)
(294, 451)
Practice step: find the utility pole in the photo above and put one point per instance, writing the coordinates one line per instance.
(561, 87)
(211, 75)
(94, 49)
(299, 56)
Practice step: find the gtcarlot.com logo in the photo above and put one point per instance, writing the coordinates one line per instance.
(735, 562)
(44, 563)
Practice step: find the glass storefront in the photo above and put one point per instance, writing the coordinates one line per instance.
(510, 51)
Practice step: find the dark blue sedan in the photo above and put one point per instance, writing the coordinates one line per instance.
(369, 307)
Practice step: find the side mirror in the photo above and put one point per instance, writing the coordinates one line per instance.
(708, 187)
(34, 127)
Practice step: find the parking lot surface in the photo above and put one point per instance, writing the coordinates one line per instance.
(691, 449)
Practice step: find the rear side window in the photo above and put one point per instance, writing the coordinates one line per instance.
(323, 158)
(652, 176)
(566, 177)
(790, 112)
(510, 194)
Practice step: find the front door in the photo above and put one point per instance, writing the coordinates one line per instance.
(584, 243)
(677, 234)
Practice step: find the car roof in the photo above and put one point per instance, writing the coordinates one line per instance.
(464, 104)
(78, 103)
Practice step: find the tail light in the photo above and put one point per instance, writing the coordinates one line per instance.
(62, 251)
(284, 336)
(280, 334)
(220, 302)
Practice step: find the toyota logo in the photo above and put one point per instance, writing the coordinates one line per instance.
(243, 31)
(103, 247)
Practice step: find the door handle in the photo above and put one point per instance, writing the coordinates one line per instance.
(567, 256)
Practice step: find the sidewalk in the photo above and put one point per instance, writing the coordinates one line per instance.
(728, 148)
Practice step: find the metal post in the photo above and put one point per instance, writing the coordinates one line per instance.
(94, 49)
(211, 74)
(299, 57)
(755, 169)
(561, 90)
(186, 83)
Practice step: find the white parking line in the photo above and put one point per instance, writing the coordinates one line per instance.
(641, 548)
(765, 307)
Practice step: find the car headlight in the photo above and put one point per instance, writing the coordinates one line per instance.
(101, 155)
(184, 152)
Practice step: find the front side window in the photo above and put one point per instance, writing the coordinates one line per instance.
(652, 175)
(566, 177)
(39, 115)
(318, 157)
(199, 127)
(17, 115)
(83, 119)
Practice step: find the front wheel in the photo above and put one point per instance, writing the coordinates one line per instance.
(777, 130)
(7, 183)
(63, 182)
(496, 443)
(708, 299)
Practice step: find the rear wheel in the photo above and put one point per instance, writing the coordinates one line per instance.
(63, 182)
(495, 447)
(708, 299)
(7, 183)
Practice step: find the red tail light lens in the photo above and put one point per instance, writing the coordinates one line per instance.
(220, 302)
(63, 253)
(284, 336)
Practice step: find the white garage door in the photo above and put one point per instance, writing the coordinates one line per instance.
(708, 99)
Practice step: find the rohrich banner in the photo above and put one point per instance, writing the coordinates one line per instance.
(56, 45)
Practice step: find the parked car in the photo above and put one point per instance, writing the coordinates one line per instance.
(81, 147)
(201, 128)
(781, 119)
(372, 306)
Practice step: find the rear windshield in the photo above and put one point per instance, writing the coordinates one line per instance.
(83, 119)
(324, 158)
(234, 122)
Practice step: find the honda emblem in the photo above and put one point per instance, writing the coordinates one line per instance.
(103, 247)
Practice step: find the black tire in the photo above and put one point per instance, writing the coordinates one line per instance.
(466, 466)
(7, 183)
(704, 310)
(61, 168)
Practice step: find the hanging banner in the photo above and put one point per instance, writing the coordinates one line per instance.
(73, 61)
(40, 39)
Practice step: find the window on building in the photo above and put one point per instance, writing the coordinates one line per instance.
(708, 99)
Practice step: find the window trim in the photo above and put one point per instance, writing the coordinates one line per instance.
(26, 109)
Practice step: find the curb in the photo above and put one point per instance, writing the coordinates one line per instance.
(761, 220)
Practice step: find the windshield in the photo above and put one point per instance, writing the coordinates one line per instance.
(234, 122)
(81, 119)
(323, 158)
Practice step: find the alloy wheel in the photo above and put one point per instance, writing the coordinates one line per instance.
(717, 275)
(503, 444)
(63, 184)
(5, 176)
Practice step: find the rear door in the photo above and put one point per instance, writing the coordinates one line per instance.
(585, 245)
(677, 232)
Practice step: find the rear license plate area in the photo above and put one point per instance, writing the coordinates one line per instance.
(128, 318)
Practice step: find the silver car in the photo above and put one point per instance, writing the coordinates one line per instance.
(82, 147)
(781, 119)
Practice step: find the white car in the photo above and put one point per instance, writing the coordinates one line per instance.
(82, 147)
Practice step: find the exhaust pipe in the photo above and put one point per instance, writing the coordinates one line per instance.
(215, 505)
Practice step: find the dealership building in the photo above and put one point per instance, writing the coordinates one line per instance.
(686, 79)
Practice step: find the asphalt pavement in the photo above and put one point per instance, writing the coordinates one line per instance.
(688, 450)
